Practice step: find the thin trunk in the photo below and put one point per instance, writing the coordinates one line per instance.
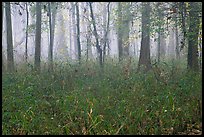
(26, 43)
(177, 42)
(70, 35)
(10, 57)
(106, 30)
(2, 36)
(183, 19)
(159, 33)
(120, 46)
(78, 33)
(38, 37)
(159, 46)
(52, 16)
(50, 55)
(96, 37)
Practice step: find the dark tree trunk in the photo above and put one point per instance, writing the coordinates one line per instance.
(10, 57)
(2, 35)
(78, 33)
(38, 37)
(96, 37)
(183, 19)
(193, 37)
(50, 54)
(26, 43)
(144, 59)
(52, 16)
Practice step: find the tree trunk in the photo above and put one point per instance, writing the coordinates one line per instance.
(177, 40)
(52, 15)
(193, 37)
(163, 46)
(38, 37)
(78, 33)
(50, 54)
(2, 36)
(126, 28)
(26, 43)
(96, 37)
(120, 33)
(161, 38)
(183, 19)
(74, 29)
(106, 29)
(10, 57)
(144, 59)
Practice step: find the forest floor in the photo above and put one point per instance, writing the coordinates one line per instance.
(83, 100)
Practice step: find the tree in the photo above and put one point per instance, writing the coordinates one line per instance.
(2, 35)
(161, 38)
(26, 44)
(88, 36)
(96, 36)
(50, 53)
(119, 32)
(38, 37)
(106, 29)
(193, 37)
(52, 15)
(78, 34)
(126, 30)
(10, 57)
(124, 18)
(177, 40)
(144, 59)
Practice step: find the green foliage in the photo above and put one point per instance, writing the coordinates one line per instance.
(78, 100)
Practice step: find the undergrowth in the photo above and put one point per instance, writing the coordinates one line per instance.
(79, 100)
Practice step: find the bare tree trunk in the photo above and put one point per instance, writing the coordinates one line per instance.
(106, 30)
(177, 40)
(144, 59)
(183, 19)
(52, 18)
(96, 37)
(120, 33)
(193, 37)
(10, 57)
(50, 54)
(2, 36)
(78, 33)
(26, 43)
(38, 37)
(126, 24)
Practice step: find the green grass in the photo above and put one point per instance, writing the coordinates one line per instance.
(77, 100)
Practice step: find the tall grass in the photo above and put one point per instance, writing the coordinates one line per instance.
(78, 100)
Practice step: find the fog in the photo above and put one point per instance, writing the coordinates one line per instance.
(64, 41)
